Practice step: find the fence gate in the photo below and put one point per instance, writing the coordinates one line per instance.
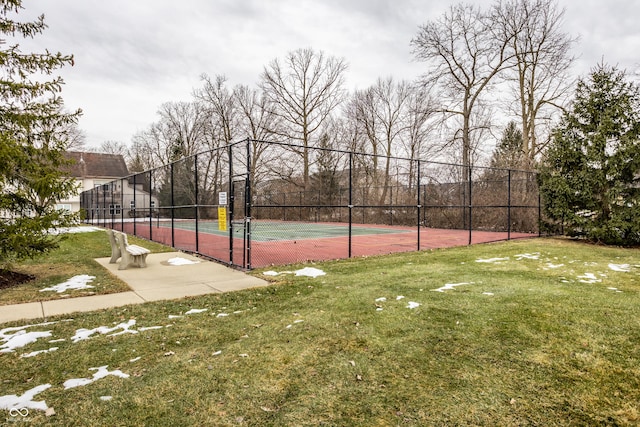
(239, 225)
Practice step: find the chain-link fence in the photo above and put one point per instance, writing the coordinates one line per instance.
(254, 203)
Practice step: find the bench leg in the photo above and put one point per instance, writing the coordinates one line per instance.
(125, 261)
(115, 248)
(142, 261)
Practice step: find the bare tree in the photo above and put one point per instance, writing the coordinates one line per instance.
(75, 137)
(112, 147)
(303, 93)
(221, 106)
(182, 127)
(258, 123)
(419, 117)
(542, 59)
(178, 133)
(382, 110)
(463, 53)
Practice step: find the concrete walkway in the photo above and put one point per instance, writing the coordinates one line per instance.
(159, 281)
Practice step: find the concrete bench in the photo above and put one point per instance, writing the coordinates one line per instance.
(128, 254)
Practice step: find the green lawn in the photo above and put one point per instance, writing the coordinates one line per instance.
(536, 337)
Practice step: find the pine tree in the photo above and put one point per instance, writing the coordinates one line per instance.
(32, 142)
(509, 152)
(590, 182)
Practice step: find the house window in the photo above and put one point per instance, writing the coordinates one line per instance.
(63, 207)
(132, 204)
(114, 210)
(153, 204)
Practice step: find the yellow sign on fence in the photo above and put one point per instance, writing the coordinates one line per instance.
(222, 218)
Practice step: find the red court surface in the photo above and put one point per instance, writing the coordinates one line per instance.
(282, 252)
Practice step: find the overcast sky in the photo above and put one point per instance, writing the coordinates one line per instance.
(131, 56)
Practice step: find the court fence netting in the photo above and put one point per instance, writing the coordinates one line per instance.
(253, 204)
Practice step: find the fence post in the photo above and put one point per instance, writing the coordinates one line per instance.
(150, 205)
(470, 204)
(509, 205)
(104, 204)
(350, 205)
(540, 208)
(419, 206)
(135, 205)
(122, 204)
(195, 180)
(173, 235)
(230, 201)
(248, 200)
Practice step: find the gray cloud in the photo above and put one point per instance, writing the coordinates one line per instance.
(131, 56)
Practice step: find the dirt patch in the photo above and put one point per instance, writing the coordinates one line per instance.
(9, 279)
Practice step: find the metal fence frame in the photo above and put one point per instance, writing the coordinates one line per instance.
(189, 191)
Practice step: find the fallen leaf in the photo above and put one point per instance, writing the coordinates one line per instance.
(352, 363)
(512, 401)
(265, 409)
(359, 377)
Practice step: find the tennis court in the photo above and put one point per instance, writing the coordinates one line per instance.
(345, 204)
(280, 243)
(267, 231)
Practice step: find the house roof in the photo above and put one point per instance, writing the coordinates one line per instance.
(97, 165)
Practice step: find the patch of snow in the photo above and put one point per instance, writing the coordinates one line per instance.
(381, 299)
(493, 260)
(174, 316)
(73, 230)
(196, 311)
(181, 261)
(101, 373)
(588, 278)
(550, 265)
(135, 359)
(25, 400)
(222, 315)
(399, 297)
(216, 353)
(106, 398)
(449, 286)
(310, 272)
(488, 293)
(35, 353)
(624, 268)
(615, 290)
(379, 309)
(84, 334)
(270, 273)
(20, 339)
(534, 256)
(76, 282)
(412, 305)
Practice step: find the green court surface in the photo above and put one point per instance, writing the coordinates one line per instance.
(265, 231)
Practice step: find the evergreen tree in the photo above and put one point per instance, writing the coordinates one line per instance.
(33, 138)
(590, 182)
(509, 153)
